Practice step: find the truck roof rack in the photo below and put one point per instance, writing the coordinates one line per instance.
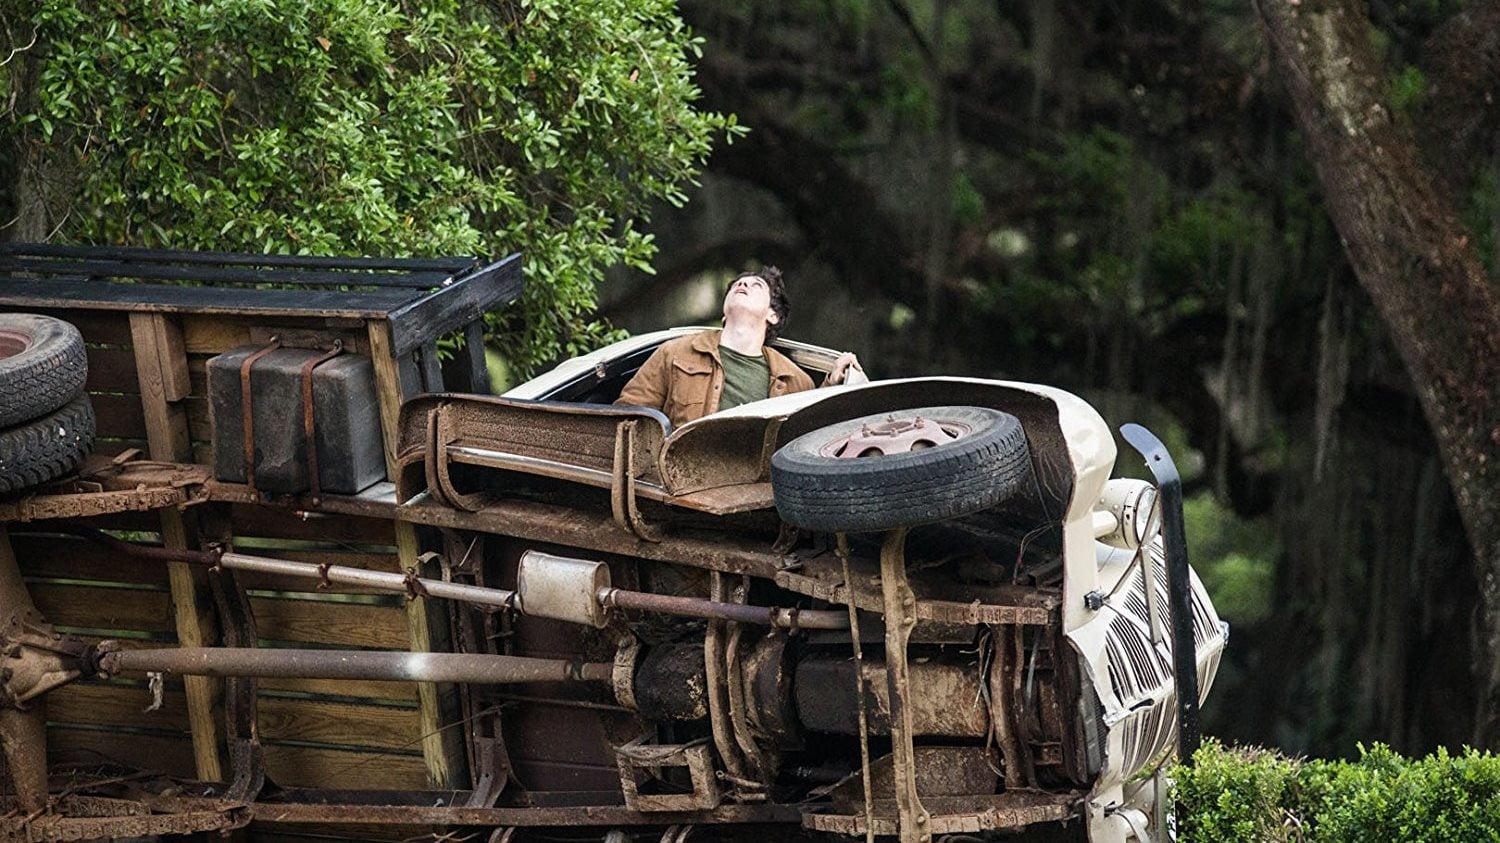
(421, 298)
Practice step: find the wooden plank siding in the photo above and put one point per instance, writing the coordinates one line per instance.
(148, 382)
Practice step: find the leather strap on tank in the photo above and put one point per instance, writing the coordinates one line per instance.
(248, 410)
(308, 424)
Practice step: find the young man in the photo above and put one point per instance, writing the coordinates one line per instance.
(690, 377)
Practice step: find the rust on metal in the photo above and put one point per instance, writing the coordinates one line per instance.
(900, 616)
(697, 607)
(715, 664)
(588, 531)
(941, 771)
(51, 827)
(760, 764)
(299, 813)
(309, 423)
(622, 483)
(950, 703)
(671, 684)
(768, 669)
(44, 507)
(894, 436)
(1009, 811)
(823, 578)
(1004, 713)
(642, 763)
(861, 697)
(23, 734)
(571, 442)
(34, 659)
(247, 409)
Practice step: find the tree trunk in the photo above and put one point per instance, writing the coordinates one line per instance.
(1416, 261)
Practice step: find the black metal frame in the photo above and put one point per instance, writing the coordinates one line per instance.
(422, 298)
(1179, 585)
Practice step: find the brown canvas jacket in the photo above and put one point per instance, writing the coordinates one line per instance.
(685, 377)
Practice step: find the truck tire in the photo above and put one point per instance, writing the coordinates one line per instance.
(968, 459)
(42, 366)
(47, 448)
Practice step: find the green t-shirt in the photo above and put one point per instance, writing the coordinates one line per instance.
(746, 378)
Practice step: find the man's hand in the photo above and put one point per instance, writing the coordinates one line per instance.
(842, 366)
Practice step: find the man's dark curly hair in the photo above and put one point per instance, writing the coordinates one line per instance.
(780, 304)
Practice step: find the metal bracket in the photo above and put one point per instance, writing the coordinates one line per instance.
(439, 478)
(315, 483)
(246, 755)
(1179, 584)
(622, 486)
(638, 757)
(37, 659)
(913, 824)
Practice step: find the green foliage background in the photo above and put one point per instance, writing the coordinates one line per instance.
(362, 127)
(1251, 794)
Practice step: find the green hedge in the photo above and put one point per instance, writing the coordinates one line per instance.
(1258, 795)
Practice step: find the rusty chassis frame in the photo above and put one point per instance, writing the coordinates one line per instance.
(908, 816)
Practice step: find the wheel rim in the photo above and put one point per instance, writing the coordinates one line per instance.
(894, 436)
(13, 343)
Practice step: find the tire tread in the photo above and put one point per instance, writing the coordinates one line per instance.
(46, 448)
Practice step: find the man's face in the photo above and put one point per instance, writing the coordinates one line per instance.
(750, 296)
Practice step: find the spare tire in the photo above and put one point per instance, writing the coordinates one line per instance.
(899, 470)
(42, 366)
(47, 448)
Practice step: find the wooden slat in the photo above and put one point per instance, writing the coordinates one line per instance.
(312, 721)
(442, 762)
(118, 416)
(198, 372)
(160, 364)
(112, 369)
(104, 608)
(448, 309)
(97, 326)
(68, 557)
(213, 335)
(271, 522)
(164, 298)
(170, 755)
(121, 705)
(298, 766)
(365, 688)
(172, 356)
(316, 622)
(200, 425)
(139, 522)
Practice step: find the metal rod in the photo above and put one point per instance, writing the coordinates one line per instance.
(343, 574)
(353, 664)
(697, 607)
(859, 690)
(498, 598)
(900, 617)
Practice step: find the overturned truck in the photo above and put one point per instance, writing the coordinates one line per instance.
(274, 562)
